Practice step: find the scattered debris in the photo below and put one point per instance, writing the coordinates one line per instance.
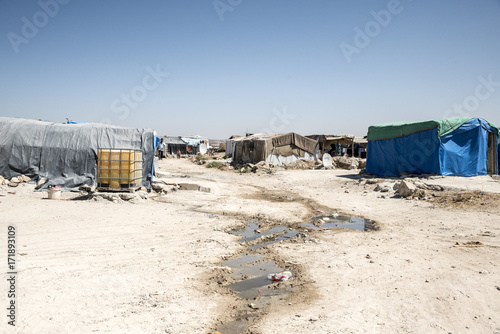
(89, 189)
(305, 164)
(164, 188)
(135, 197)
(466, 199)
(383, 187)
(216, 164)
(469, 244)
(283, 276)
(349, 163)
(41, 182)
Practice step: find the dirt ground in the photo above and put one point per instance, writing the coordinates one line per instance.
(156, 265)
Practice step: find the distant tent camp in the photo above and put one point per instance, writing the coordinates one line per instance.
(67, 154)
(456, 146)
(174, 144)
(281, 149)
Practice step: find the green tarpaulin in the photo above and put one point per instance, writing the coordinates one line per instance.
(400, 129)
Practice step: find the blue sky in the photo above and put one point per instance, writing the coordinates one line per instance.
(223, 67)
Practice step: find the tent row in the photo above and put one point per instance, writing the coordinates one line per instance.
(455, 146)
(283, 149)
(68, 154)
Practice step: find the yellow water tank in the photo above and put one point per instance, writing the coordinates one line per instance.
(119, 169)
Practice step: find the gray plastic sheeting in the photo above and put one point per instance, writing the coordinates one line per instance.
(66, 154)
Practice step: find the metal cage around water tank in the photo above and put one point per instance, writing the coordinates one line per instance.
(119, 169)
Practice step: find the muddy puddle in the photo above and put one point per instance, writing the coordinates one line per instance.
(250, 270)
(338, 221)
(257, 239)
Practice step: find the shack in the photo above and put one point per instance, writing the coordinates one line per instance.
(339, 145)
(230, 146)
(196, 144)
(174, 144)
(278, 149)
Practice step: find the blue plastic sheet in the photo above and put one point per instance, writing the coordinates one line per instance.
(416, 153)
(462, 152)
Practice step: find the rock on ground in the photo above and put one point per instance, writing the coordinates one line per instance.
(383, 187)
(406, 189)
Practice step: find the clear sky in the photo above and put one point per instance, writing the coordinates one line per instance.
(223, 67)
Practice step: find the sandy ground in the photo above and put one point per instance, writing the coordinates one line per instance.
(87, 266)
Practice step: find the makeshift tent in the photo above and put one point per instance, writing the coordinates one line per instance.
(456, 146)
(279, 149)
(336, 145)
(360, 145)
(230, 144)
(174, 144)
(67, 154)
(193, 143)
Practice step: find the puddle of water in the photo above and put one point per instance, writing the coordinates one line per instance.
(349, 222)
(251, 269)
(254, 269)
(251, 233)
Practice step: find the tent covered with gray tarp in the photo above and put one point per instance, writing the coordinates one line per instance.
(278, 149)
(66, 154)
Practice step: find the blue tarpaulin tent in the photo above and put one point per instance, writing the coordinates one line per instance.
(458, 146)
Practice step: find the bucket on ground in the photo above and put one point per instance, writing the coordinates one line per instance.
(54, 192)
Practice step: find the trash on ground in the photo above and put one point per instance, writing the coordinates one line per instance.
(469, 244)
(283, 276)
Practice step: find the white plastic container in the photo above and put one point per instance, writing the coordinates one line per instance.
(54, 193)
